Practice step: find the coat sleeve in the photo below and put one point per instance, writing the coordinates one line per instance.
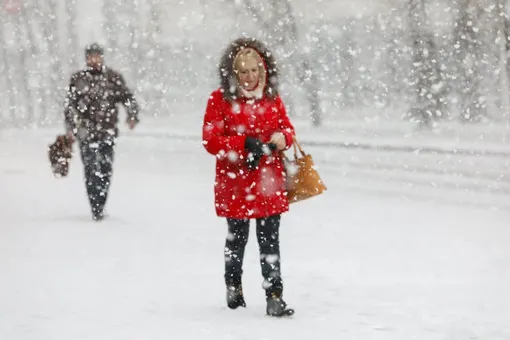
(127, 99)
(285, 126)
(71, 114)
(214, 137)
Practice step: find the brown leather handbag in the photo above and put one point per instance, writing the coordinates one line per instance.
(303, 180)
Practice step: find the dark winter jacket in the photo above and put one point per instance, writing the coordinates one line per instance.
(91, 111)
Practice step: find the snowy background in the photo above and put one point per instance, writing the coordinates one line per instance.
(424, 61)
(408, 122)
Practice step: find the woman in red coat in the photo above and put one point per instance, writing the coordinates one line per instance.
(246, 127)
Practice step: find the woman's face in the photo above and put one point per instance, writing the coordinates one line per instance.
(248, 73)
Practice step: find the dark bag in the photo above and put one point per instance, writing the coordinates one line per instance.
(60, 154)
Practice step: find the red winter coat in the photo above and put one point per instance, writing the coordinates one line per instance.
(229, 118)
(240, 192)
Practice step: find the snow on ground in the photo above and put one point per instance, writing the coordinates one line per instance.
(404, 245)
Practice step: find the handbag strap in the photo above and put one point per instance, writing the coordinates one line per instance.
(297, 146)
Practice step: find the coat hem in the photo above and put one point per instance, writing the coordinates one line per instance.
(254, 216)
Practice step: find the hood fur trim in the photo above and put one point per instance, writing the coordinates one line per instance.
(229, 84)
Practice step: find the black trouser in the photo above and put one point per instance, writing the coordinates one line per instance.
(97, 159)
(269, 246)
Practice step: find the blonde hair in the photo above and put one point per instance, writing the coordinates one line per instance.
(244, 55)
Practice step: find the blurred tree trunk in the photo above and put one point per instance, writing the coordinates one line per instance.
(468, 56)
(153, 59)
(33, 70)
(55, 84)
(135, 48)
(349, 76)
(72, 38)
(22, 70)
(11, 90)
(111, 27)
(40, 19)
(429, 103)
(503, 38)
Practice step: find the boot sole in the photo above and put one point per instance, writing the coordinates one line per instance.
(285, 313)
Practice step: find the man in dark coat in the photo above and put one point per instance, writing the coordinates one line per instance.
(91, 117)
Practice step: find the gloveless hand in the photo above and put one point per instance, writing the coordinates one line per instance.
(131, 124)
(278, 138)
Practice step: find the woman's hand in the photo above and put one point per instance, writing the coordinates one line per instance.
(278, 139)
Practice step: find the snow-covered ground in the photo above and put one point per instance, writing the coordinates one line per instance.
(404, 245)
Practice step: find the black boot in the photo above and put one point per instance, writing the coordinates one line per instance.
(97, 215)
(235, 297)
(277, 307)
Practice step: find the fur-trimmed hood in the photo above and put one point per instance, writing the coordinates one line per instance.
(229, 83)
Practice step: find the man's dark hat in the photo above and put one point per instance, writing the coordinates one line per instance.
(94, 48)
